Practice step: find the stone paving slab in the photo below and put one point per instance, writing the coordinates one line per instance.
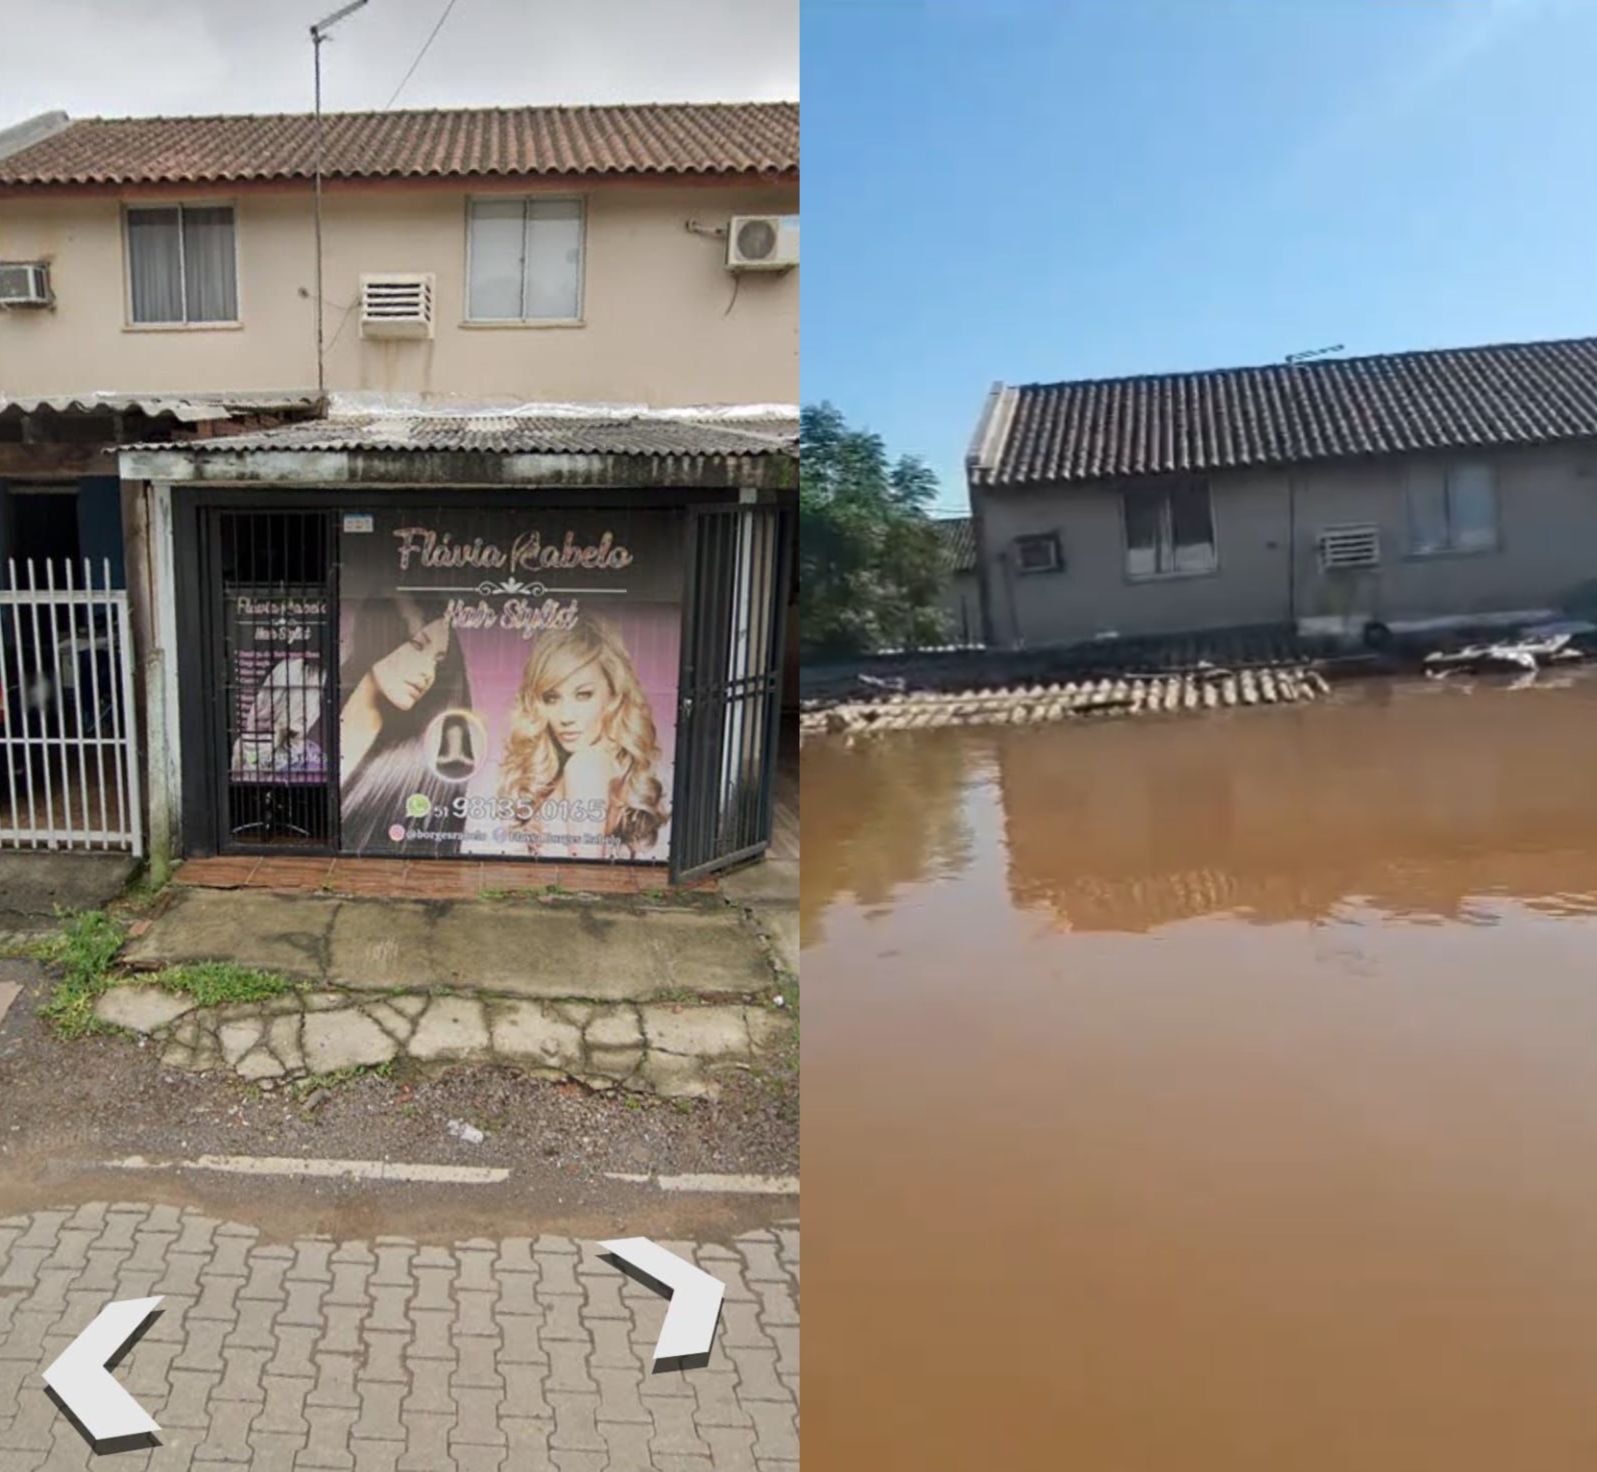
(783, 928)
(518, 949)
(9, 992)
(770, 882)
(36, 884)
(671, 1048)
(516, 1355)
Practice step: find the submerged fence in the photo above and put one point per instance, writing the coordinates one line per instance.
(67, 731)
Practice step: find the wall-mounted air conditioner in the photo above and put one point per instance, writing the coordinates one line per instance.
(1349, 547)
(24, 284)
(397, 304)
(762, 243)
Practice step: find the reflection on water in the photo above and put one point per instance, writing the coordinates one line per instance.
(1207, 1093)
(886, 814)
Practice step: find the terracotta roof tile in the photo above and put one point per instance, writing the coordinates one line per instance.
(1454, 398)
(653, 138)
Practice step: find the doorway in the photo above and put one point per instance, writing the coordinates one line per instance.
(272, 658)
(728, 726)
(43, 530)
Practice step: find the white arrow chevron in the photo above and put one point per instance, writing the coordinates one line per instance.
(80, 1378)
(689, 1327)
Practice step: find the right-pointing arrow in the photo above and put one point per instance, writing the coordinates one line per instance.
(689, 1327)
(79, 1376)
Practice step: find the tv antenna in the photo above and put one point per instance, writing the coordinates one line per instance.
(1309, 354)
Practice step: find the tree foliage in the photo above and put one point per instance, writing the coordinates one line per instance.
(870, 571)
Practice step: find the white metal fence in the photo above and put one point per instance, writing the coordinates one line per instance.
(67, 731)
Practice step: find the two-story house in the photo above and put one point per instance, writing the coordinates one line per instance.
(1351, 497)
(452, 497)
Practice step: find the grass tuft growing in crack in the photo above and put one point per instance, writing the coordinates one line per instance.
(312, 1083)
(219, 983)
(84, 949)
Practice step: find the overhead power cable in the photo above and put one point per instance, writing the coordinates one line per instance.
(426, 45)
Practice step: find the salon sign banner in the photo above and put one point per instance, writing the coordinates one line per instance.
(508, 683)
(275, 642)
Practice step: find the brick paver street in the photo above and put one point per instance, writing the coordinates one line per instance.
(387, 1356)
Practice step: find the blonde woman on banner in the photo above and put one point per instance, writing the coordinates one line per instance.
(581, 756)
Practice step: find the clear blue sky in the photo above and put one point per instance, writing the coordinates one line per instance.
(1033, 191)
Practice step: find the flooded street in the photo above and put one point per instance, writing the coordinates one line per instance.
(1209, 1093)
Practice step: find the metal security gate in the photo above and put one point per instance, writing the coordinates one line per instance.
(739, 562)
(67, 738)
(273, 671)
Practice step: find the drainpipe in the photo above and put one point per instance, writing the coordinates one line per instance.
(1292, 550)
(1004, 561)
(984, 608)
(163, 758)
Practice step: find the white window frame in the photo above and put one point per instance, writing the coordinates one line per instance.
(581, 202)
(1051, 539)
(1167, 534)
(209, 325)
(1451, 547)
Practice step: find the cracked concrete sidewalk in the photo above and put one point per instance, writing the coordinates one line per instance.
(663, 999)
(522, 949)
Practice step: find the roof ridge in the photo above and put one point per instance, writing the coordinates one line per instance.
(1316, 365)
(384, 112)
(726, 138)
(1478, 397)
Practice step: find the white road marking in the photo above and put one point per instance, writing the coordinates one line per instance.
(354, 1170)
(717, 1184)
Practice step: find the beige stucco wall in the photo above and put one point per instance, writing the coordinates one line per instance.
(1547, 509)
(1093, 596)
(1547, 539)
(656, 323)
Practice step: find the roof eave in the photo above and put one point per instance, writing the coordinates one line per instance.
(294, 182)
(1036, 480)
(463, 468)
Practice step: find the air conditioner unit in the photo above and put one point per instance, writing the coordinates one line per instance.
(762, 243)
(24, 284)
(397, 304)
(1349, 547)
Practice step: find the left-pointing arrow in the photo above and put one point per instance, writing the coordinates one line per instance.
(79, 1376)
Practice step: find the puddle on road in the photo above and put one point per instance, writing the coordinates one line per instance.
(1213, 1093)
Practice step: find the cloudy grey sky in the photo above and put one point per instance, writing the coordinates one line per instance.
(113, 58)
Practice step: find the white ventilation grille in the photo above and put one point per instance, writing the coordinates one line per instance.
(398, 304)
(1350, 546)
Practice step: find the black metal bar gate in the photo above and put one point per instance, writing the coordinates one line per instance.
(738, 564)
(273, 648)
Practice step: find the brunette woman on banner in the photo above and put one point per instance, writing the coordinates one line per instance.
(402, 668)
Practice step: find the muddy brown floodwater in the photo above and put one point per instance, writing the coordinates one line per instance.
(1209, 1093)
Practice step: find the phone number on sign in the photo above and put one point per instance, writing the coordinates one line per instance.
(524, 810)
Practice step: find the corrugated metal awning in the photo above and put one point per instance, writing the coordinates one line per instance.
(186, 408)
(541, 446)
(513, 434)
